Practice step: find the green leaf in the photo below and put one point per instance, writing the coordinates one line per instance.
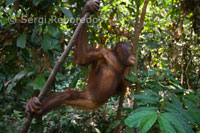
(194, 112)
(113, 125)
(178, 86)
(21, 41)
(20, 75)
(153, 44)
(148, 121)
(181, 115)
(175, 122)
(66, 12)
(165, 125)
(54, 31)
(53, 42)
(49, 43)
(189, 104)
(150, 92)
(15, 80)
(46, 43)
(34, 34)
(8, 2)
(175, 100)
(36, 2)
(74, 81)
(139, 2)
(145, 109)
(132, 77)
(144, 99)
(154, 84)
(11, 86)
(187, 127)
(179, 110)
(39, 82)
(135, 118)
(36, 40)
(171, 78)
(191, 101)
(152, 72)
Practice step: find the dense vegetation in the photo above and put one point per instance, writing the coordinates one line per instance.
(165, 85)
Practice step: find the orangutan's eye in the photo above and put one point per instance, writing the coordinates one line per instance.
(130, 51)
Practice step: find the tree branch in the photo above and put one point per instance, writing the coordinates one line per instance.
(140, 25)
(135, 43)
(55, 70)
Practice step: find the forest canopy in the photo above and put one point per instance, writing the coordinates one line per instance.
(163, 94)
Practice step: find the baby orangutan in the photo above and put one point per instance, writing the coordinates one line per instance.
(105, 78)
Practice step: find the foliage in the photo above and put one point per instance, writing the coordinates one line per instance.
(161, 104)
(168, 64)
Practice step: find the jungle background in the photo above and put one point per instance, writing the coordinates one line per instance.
(164, 86)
